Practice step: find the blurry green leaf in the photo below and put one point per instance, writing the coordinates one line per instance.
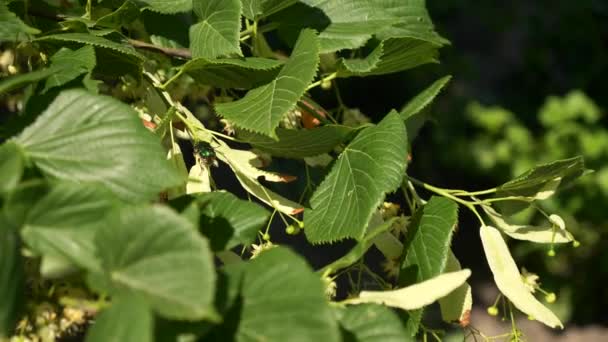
(217, 34)
(20, 201)
(351, 22)
(456, 307)
(63, 223)
(427, 246)
(413, 113)
(370, 166)
(418, 295)
(13, 28)
(262, 108)
(359, 250)
(168, 6)
(369, 323)
(559, 110)
(71, 64)
(538, 234)
(11, 278)
(11, 166)
(258, 9)
(283, 300)
(159, 255)
(228, 221)
(538, 180)
(127, 13)
(128, 319)
(508, 279)
(232, 72)
(91, 138)
(299, 143)
(17, 81)
(391, 55)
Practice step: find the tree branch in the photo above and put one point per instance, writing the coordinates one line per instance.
(171, 52)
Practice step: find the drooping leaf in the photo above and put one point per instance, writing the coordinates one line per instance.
(371, 322)
(509, 280)
(391, 55)
(249, 164)
(217, 34)
(11, 166)
(168, 6)
(71, 64)
(299, 143)
(125, 50)
(128, 319)
(538, 234)
(262, 108)
(413, 113)
(370, 166)
(125, 14)
(414, 21)
(456, 307)
(13, 28)
(11, 278)
(241, 73)
(17, 81)
(258, 9)
(283, 300)
(63, 223)
(159, 255)
(199, 180)
(427, 246)
(539, 179)
(91, 138)
(418, 295)
(360, 248)
(267, 196)
(228, 221)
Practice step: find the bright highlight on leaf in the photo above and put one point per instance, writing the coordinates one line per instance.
(508, 279)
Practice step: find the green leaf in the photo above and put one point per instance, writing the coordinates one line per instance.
(414, 21)
(97, 139)
(125, 50)
(351, 22)
(217, 34)
(63, 223)
(258, 9)
(13, 28)
(538, 234)
(168, 6)
(416, 296)
(369, 323)
(391, 55)
(127, 13)
(17, 81)
(283, 300)
(159, 255)
(241, 73)
(509, 280)
(456, 307)
(262, 108)
(412, 111)
(11, 166)
(299, 144)
(371, 166)
(11, 278)
(537, 181)
(128, 319)
(228, 221)
(359, 250)
(427, 246)
(19, 202)
(71, 64)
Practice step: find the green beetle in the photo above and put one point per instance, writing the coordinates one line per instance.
(205, 153)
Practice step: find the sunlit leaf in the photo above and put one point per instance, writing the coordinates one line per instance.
(217, 33)
(370, 166)
(418, 295)
(262, 108)
(91, 138)
(508, 279)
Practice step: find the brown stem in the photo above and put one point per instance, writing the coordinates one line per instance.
(171, 52)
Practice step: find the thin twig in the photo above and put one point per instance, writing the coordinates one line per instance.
(171, 52)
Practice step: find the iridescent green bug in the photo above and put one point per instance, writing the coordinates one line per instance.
(205, 153)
